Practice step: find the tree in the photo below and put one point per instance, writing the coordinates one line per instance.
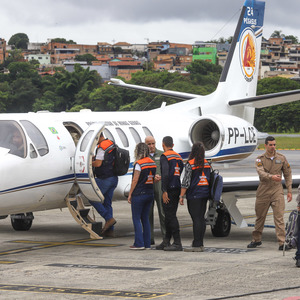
(22, 69)
(69, 85)
(63, 41)
(106, 98)
(19, 40)
(4, 96)
(24, 93)
(86, 57)
(278, 118)
(277, 34)
(294, 39)
(13, 56)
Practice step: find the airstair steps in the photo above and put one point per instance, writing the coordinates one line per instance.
(82, 217)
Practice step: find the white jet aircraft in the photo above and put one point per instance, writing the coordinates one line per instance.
(46, 158)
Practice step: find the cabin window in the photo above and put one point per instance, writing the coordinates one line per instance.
(32, 152)
(123, 137)
(86, 140)
(13, 138)
(135, 135)
(147, 131)
(108, 135)
(37, 137)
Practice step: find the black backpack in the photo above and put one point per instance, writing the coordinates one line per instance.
(122, 160)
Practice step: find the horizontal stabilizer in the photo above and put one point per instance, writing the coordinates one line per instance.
(268, 100)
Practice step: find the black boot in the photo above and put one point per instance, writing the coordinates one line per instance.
(165, 243)
(174, 247)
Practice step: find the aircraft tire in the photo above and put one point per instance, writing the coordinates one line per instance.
(223, 224)
(22, 222)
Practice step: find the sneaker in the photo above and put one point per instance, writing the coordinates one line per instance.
(286, 248)
(136, 248)
(254, 244)
(173, 247)
(194, 249)
(162, 245)
(298, 263)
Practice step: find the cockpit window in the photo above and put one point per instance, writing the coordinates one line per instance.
(12, 137)
(37, 137)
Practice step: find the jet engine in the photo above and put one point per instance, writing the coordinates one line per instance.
(224, 137)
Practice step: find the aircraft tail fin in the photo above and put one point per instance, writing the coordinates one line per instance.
(242, 64)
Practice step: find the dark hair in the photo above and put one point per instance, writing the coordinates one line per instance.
(168, 141)
(197, 153)
(269, 139)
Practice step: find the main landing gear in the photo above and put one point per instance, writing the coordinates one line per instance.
(22, 222)
(219, 219)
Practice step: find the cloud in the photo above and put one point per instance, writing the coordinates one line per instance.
(90, 21)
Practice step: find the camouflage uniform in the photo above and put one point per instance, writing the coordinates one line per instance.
(270, 193)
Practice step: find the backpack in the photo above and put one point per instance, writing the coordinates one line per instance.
(291, 229)
(215, 185)
(122, 160)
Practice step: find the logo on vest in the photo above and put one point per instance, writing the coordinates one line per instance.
(177, 170)
(203, 180)
(150, 178)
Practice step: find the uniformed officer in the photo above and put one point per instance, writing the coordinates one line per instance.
(270, 166)
(155, 155)
(171, 167)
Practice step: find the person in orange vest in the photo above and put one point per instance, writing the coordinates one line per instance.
(171, 167)
(106, 181)
(141, 196)
(195, 185)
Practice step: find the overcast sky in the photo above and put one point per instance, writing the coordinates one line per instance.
(138, 21)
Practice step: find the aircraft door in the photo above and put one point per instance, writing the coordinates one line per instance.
(83, 162)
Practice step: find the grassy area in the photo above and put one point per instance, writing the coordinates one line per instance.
(283, 142)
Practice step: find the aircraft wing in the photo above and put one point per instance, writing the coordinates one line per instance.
(268, 100)
(249, 183)
(168, 93)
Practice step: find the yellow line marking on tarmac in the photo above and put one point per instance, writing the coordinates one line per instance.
(92, 292)
(4, 262)
(65, 243)
(45, 244)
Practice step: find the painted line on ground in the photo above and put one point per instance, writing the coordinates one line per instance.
(77, 291)
(9, 262)
(44, 244)
(102, 267)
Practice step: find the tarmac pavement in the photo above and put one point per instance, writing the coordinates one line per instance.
(57, 259)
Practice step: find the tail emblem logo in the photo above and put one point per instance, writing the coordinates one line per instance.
(248, 54)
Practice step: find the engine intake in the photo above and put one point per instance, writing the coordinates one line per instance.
(207, 132)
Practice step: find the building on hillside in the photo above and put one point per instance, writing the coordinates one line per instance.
(205, 51)
(43, 59)
(154, 49)
(125, 68)
(222, 57)
(104, 70)
(161, 65)
(2, 50)
(141, 48)
(61, 52)
(105, 49)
